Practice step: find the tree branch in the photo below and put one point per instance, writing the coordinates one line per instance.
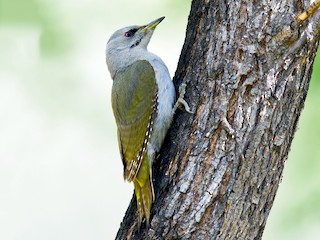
(247, 66)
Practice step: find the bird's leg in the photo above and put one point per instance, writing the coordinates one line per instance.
(181, 101)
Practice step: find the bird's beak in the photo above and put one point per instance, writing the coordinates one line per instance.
(153, 24)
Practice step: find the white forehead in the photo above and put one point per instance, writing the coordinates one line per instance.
(121, 32)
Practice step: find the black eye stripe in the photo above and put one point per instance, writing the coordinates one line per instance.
(134, 30)
(131, 32)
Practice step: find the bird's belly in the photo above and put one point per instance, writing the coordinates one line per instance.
(166, 98)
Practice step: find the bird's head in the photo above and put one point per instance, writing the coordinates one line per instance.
(128, 44)
(133, 37)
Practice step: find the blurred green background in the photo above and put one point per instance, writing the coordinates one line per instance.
(60, 171)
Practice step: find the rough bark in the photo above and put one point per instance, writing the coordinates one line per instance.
(247, 66)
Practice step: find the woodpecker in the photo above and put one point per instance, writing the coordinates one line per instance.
(143, 98)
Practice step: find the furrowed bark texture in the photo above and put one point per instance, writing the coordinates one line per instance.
(247, 66)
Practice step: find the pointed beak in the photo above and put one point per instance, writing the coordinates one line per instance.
(153, 24)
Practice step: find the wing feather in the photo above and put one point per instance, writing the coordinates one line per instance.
(134, 103)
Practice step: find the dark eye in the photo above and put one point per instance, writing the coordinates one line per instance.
(130, 33)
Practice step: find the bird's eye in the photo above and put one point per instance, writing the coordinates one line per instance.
(130, 33)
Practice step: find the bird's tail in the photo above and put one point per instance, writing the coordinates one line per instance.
(145, 196)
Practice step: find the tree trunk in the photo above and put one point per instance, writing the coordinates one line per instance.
(247, 66)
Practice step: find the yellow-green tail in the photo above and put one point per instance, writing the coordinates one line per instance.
(144, 193)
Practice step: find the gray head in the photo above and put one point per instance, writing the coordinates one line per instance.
(127, 43)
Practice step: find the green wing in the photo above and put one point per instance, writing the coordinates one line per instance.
(133, 96)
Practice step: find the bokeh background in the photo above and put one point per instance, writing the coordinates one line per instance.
(60, 170)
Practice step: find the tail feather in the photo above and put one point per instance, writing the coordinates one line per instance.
(145, 197)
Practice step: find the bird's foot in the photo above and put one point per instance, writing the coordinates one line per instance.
(181, 101)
